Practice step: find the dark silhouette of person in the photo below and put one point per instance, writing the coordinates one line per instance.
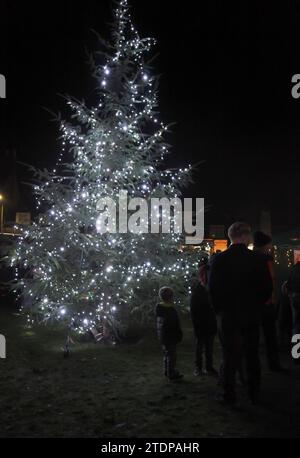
(285, 318)
(169, 331)
(240, 284)
(293, 289)
(205, 329)
(203, 270)
(263, 246)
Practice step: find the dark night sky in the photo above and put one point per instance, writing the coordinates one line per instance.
(226, 80)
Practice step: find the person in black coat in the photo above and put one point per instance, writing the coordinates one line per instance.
(205, 328)
(263, 246)
(293, 289)
(285, 318)
(168, 331)
(240, 284)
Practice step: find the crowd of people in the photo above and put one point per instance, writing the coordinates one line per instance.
(233, 298)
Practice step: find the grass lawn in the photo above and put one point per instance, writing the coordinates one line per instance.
(119, 391)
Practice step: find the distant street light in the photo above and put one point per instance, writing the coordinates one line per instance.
(2, 214)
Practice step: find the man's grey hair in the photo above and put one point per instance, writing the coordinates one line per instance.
(238, 229)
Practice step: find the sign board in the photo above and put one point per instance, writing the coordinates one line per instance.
(23, 218)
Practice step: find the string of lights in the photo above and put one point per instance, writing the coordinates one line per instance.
(70, 272)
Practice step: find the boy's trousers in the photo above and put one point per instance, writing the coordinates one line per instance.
(170, 356)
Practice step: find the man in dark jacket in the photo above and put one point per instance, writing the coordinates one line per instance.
(239, 284)
(293, 289)
(205, 328)
(168, 331)
(262, 245)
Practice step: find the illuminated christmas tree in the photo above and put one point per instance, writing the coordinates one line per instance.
(74, 273)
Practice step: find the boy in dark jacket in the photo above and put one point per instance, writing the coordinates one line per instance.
(205, 328)
(168, 331)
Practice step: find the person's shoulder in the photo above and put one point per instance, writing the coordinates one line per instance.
(218, 257)
(260, 257)
(260, 260)
(158, 308)
(218, 261)
(161, 309)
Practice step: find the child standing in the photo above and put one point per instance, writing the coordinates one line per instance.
(168, 331)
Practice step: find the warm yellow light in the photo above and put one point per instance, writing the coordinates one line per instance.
(220, 245)
(1, 197)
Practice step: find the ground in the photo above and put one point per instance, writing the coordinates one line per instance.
(119, 391)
